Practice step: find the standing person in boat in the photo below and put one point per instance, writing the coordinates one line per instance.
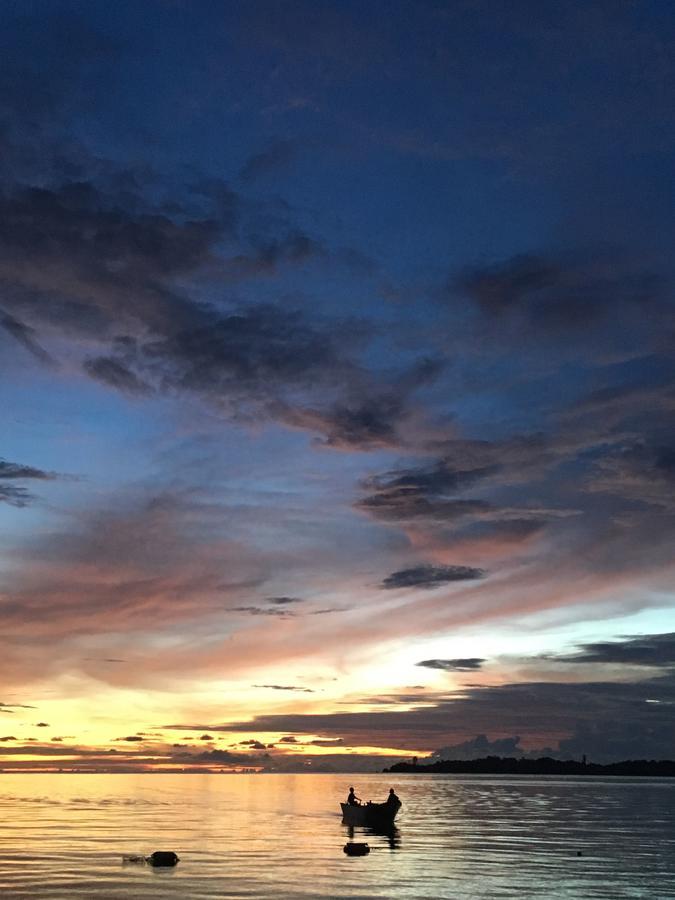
(352, 799)
(392, 799)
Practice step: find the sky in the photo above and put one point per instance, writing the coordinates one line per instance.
(337, 382)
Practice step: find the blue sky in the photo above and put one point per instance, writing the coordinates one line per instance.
(336, 351)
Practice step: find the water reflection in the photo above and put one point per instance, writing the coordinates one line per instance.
(277, 837)
(392, 834)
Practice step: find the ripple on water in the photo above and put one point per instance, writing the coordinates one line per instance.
(279, 836)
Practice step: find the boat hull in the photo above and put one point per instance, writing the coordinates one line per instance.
(371, 815)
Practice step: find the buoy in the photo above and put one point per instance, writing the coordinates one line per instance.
(353, 849)
(163, 858)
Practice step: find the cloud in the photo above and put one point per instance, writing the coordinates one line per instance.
(285, 687)
(219, 757)
(254, 744)
(274, 158)
(654, 650)
(481, 746)
(640, 471)
(364, 425)
(261, 611)
(267, 256)
(18, 495)
(25, 336)
(453, 665)
(563, 294)
(622, 719)
(426, 493)
(427, 576)
(136, 565)
(115, 374)
(284, 601)
(97, 271)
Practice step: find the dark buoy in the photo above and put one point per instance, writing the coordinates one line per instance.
(163, 858)
(353, 849)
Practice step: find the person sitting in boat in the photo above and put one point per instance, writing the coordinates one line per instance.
(352, 799)
(392, 799)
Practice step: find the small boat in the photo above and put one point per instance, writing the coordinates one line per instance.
(372, 815)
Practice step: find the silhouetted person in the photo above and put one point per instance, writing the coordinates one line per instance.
(352, 799)
(392, 799)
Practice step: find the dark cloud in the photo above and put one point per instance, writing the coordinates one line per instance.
(284, 601)
(131, 738)
(248, 357)
(276, 156)
(501, 286)
(401, 506)
(285, 687)
(453, 665)
(261, 611)
(10, 470)
(363, 425)
(42, 725)
(372, 421)
(657, 650)
(217, 757)
(16, 494)
(288, 739)
(641, 471)
(620, 719)
(253, 743)
(25, 336)
(206, 737)
(115, 374)
(481, 746)
(427, 576)
(562, 294)
(266, 256)
(97, 259)
(74, 258)
(423, 493)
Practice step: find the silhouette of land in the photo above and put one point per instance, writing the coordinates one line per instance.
(497, 765)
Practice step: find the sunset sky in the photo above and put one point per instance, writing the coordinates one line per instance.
(337, 380)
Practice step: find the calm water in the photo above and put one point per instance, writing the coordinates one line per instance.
(280, 836)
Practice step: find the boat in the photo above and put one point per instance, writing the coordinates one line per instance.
(372, 815)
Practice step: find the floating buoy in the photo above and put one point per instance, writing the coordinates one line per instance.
(353, 849)
(163, 858)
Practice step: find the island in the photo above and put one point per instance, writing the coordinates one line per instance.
(545, 765)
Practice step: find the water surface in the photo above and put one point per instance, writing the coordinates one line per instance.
(280, 836)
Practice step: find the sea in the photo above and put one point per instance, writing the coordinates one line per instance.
(66, 836)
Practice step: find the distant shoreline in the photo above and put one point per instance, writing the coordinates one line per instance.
(497, 765)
